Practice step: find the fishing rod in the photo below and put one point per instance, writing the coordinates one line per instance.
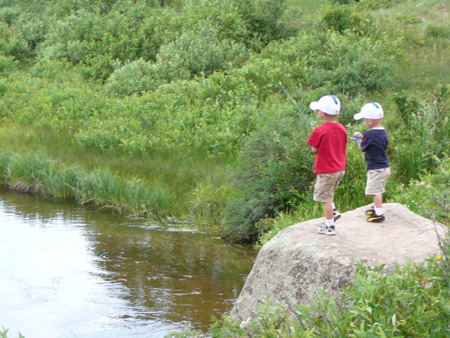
(289, 96)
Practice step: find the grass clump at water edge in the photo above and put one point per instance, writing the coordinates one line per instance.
(102, 188)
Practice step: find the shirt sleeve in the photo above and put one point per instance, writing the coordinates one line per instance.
(365, 141)
(314, 138)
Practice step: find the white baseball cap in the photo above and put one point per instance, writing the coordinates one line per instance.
(329, 104)
(370, 110)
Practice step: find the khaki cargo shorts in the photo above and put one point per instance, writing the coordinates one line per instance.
(376, 181)
(326, 185)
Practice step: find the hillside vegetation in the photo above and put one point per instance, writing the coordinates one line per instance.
(173, 110)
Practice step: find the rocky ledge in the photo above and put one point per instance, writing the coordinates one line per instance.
(298, 260)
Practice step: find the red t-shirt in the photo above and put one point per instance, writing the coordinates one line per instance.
(330, 139)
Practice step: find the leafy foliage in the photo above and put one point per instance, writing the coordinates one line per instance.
(141, 78)
(276, 167)
(341, 18)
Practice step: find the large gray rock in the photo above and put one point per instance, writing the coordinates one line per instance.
(298, 260)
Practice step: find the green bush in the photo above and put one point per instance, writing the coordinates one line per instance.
(9, 14)
(12, 44)
(276, 165)
(338, 63)
(262, 19)
(7, 64)
(128, 32)
(412, 301)
(118, 133)
(375, 4)
(428, 196)
(139, 76)
(427, 128)
(201, 52)
(341, 18)
(411, 19)
(33, 29)
(437, 31)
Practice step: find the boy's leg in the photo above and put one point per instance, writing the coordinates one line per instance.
(328, 228)
(376, 181)
(328, 209)
(324, 192)
(378, 201)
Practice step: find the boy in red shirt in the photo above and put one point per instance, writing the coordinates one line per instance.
(329, 142)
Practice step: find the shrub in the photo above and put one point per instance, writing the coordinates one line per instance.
(407, 107)
(200, 52)
(426, 128)
(33, 29)
(139, 76)
(437, 31)
(428, 196)
(276, 164)
(117, 133)
(262, 19)
(341, 18)
(337, 63)
(411, 19)
(128, 32)
(13, 45)
(375, 4)
(412, 301)
(9, 14)
(7, 64)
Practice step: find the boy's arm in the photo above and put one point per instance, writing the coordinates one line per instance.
(313, 140)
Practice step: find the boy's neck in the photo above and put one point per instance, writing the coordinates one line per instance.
(329, 118)
(376, 124)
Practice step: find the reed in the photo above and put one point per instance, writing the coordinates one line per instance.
(33, 173)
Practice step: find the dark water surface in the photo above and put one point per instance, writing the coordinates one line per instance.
(69, 271)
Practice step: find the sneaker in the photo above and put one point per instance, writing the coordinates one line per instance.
(371, 211)
(329, 231)
(336, 214)
(374, 218)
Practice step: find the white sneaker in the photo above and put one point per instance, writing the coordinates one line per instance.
(329, 231)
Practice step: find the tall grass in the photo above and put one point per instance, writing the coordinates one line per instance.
(423, 26)
(102, 188)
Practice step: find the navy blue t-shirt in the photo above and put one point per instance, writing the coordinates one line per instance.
(374, 144)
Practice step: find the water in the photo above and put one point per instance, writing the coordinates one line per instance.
(68, 271)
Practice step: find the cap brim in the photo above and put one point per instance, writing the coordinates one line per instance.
(358, 116)
(314, 105)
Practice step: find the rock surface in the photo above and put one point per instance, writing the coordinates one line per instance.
(298, 260)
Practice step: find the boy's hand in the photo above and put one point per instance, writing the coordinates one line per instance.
(357, 137)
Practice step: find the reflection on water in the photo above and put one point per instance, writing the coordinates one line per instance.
(67, 271)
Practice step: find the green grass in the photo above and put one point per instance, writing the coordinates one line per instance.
(148, 199)
(425, 60)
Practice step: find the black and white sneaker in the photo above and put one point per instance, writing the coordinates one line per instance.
(329, 231)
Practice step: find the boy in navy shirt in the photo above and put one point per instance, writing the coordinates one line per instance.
(374, 144)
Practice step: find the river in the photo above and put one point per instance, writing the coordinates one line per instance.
(71, 271)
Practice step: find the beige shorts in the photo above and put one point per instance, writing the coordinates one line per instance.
(326, 185)
(376, 181)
